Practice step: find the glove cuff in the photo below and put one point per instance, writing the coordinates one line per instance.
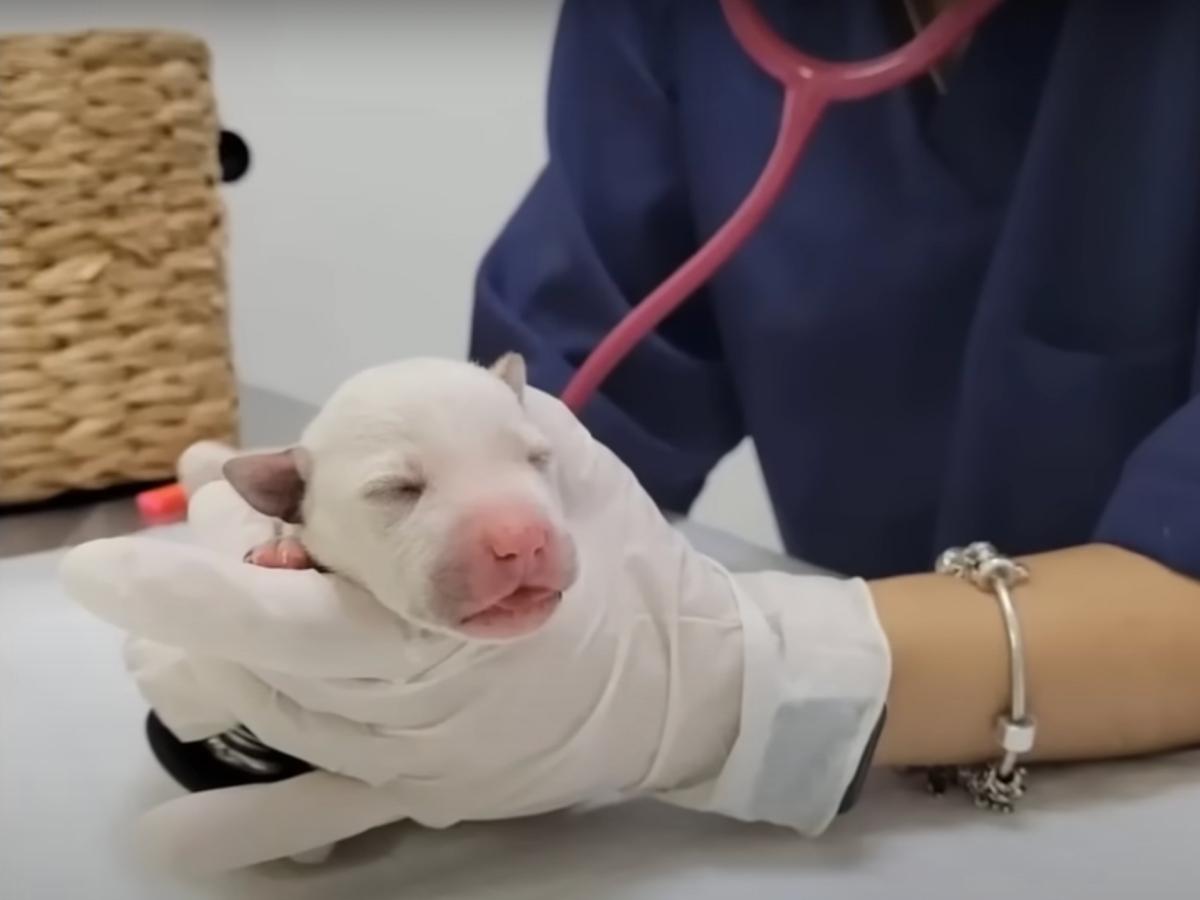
(816, 673)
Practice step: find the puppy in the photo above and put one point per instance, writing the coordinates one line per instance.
(425, 482)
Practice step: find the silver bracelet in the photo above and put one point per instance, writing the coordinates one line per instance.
(996, 785)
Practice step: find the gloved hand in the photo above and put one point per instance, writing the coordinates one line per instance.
(660, 674)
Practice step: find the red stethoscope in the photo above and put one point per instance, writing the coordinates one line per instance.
(810, 86)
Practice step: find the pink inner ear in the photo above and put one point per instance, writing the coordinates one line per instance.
(269, 482)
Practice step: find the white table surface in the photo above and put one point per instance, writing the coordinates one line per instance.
(75, 771)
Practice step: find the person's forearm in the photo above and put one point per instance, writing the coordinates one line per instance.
(1113, 660)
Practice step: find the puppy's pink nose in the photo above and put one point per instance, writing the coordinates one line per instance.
(515, 538)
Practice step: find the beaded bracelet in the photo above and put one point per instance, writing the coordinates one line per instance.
(996, 785)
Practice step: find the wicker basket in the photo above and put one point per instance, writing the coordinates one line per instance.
(114, 344)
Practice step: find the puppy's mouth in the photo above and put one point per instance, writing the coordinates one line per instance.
(517, 613)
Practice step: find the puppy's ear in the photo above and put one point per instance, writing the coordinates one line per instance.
(510, 368)
(272, 483)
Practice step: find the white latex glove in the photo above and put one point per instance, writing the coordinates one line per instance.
(752, 696)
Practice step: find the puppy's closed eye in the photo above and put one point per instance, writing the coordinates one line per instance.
(407, 488)
(539, 457)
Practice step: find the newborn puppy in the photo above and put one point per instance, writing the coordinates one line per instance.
(425, 482)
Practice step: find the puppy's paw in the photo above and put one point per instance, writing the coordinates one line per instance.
(282, 553)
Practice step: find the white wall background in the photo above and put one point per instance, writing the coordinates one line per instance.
(390, 140)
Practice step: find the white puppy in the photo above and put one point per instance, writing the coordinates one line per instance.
(425, 482)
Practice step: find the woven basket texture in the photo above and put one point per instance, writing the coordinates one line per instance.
(114, 342)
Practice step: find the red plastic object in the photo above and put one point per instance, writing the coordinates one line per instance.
(810, 85)
(163, 505)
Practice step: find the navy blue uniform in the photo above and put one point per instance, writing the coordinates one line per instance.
(971, 316)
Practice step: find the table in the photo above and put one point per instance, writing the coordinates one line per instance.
(75, 771)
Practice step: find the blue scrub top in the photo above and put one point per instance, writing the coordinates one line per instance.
(971, 316)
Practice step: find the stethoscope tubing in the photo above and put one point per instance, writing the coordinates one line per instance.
(810, 85)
